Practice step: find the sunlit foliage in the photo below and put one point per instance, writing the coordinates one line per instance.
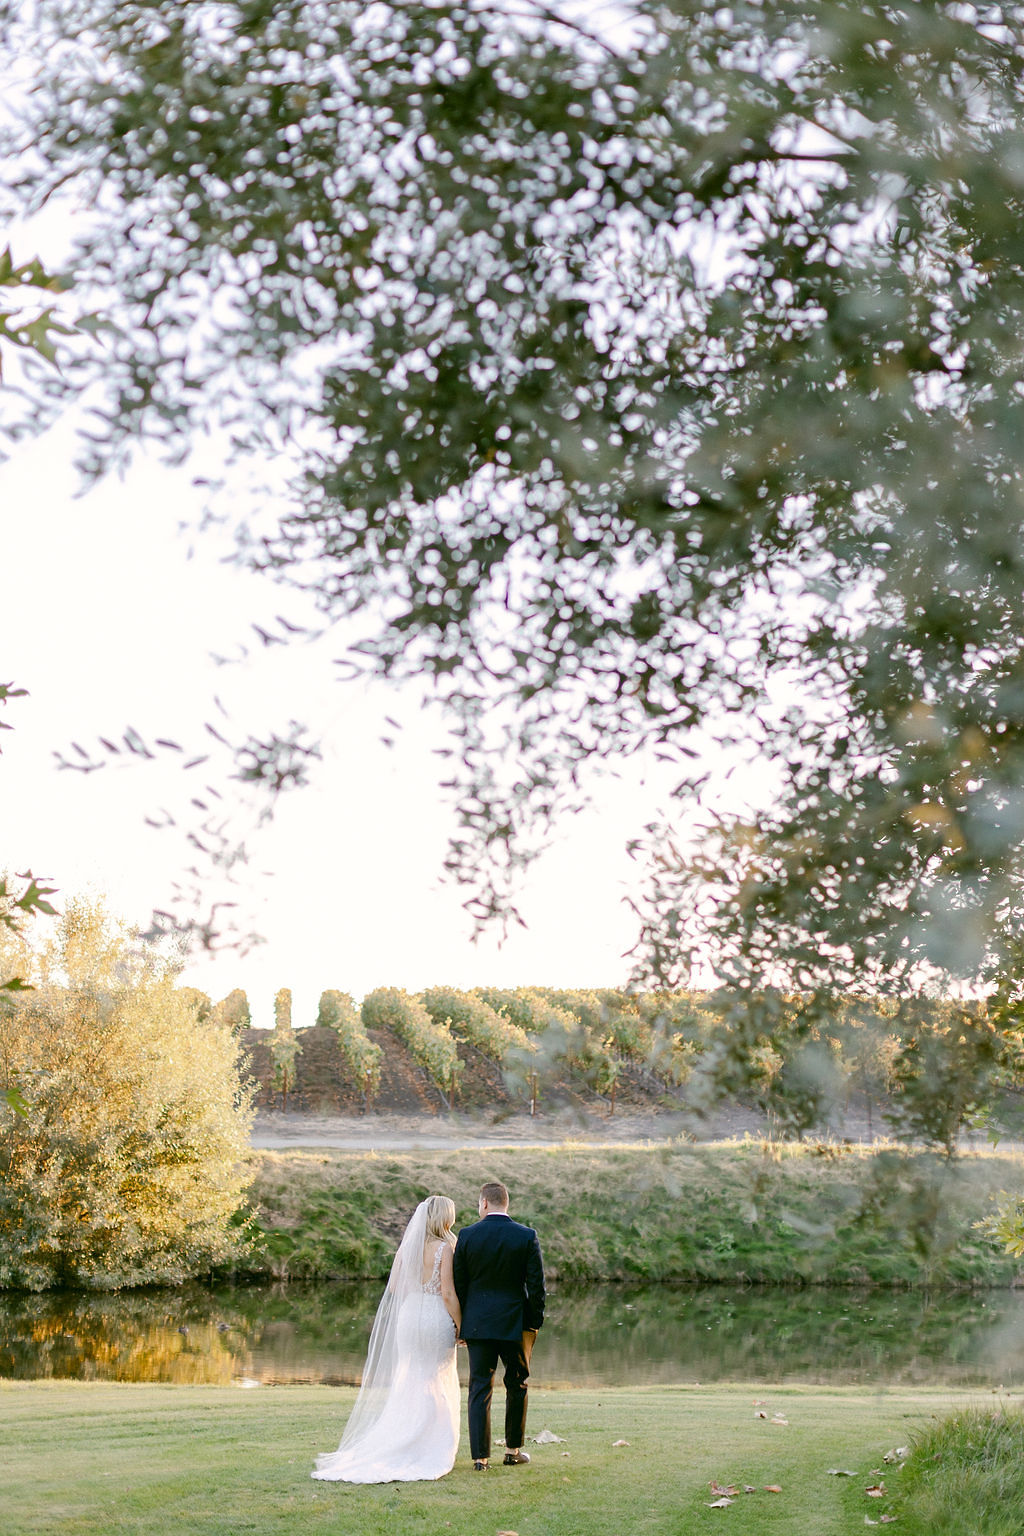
(21, 896)
(233, 1010)
(428, 1041)
(470, 1018)
(361, 1056)
(126, 1168)
(285, 1044)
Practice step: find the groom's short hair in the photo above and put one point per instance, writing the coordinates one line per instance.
(494, 1194)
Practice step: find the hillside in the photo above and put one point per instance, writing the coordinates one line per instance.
(324, 1086)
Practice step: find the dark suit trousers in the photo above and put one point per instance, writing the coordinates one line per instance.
(484, 1355)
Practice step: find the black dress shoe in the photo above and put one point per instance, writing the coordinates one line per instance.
(479, 1466)
(516, 1459)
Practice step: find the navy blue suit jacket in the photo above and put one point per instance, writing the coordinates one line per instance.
(499, 1278)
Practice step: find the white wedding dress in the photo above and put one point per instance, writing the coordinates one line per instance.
(405, 1424)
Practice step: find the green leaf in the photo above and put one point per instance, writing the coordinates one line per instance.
(15, 1101)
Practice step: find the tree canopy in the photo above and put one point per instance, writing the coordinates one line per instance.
(633, 384)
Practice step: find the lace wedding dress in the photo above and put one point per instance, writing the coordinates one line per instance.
(405, 1423)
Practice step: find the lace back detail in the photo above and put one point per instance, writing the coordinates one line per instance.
(432, 1287)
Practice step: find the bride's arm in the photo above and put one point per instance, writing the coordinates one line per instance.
(448, 1295)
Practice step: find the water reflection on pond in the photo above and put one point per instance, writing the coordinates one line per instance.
(598, 1336)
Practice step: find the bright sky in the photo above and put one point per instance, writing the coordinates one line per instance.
(109, 624)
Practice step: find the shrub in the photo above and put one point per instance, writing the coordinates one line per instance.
(609, 1016)
(233, 1011)
(523, 1006)
(560, 1042)
(431, 1044)
(473, 1020)
(284, 1043)
(681, 1028)
(128, 1166)
(361, 1056)
(628, 1031)
(200, 1002)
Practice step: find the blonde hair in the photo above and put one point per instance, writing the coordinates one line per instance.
(440, 1218)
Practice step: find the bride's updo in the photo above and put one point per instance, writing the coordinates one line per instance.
(440, 1218)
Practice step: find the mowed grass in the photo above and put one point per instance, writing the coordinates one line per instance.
(87, 1460)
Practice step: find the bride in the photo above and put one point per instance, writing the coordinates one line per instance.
(405, 1423)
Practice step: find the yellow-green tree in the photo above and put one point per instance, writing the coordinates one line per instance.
(233, 1011)
(20, 899)
(129, 1167)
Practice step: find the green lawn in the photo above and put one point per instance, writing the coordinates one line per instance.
(87, 1460)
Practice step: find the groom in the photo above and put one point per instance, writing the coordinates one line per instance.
(499, 1280)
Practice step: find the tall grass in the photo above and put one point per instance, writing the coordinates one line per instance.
(965, 1477)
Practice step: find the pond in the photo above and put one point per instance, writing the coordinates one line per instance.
(598, 1336)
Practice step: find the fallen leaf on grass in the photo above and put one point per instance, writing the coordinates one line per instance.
(617, 1443)
(779, 1418)
(730, 1491)
(839, 1472)
(720, 1504)
(547, 1438)
(876, 1491)
(760, 1414)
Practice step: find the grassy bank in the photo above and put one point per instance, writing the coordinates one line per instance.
(85, 1460)
(965, 1476)
(728, 1211)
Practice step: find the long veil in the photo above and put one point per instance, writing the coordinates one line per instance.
(382, 1358)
